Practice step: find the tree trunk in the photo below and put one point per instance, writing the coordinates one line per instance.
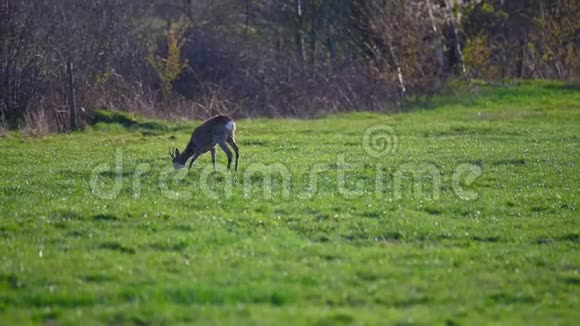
(455, 35)
(71, 97)
(299, 35)
(520, 59)
(439, 45)
(402, 88)
(247, 23)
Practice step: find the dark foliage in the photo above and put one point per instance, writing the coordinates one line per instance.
(196, 58)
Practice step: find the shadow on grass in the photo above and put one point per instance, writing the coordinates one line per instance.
(105, 217)
(509, 298)
(132, 122)
(575, 86)
(98, 278)
(336, 319)
(11, 280)
(115, 246)
(483, 93)
(168, 247)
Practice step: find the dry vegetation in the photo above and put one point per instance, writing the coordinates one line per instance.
(61, 60)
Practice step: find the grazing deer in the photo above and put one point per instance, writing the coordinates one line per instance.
(218, 130)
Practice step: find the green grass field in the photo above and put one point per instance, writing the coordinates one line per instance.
(467, 215)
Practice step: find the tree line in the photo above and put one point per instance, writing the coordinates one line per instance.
(62, 59)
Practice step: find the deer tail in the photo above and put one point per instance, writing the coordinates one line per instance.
(231, 125)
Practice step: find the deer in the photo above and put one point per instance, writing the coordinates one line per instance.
(218, 130)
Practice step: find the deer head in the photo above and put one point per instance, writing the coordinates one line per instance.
(176, 157)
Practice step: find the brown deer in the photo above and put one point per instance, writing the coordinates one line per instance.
(218, 130)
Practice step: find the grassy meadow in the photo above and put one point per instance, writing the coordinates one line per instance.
(466, 214)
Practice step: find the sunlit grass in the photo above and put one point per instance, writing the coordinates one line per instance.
(382, 256)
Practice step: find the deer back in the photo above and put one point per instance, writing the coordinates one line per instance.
(214, 130)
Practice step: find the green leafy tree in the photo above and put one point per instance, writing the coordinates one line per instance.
(169, 68)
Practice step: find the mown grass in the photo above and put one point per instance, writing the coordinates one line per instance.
(169, 253)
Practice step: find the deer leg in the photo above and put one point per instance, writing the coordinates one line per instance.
(232, 143)
(227, 151)
(195, 156)
(212, 151)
